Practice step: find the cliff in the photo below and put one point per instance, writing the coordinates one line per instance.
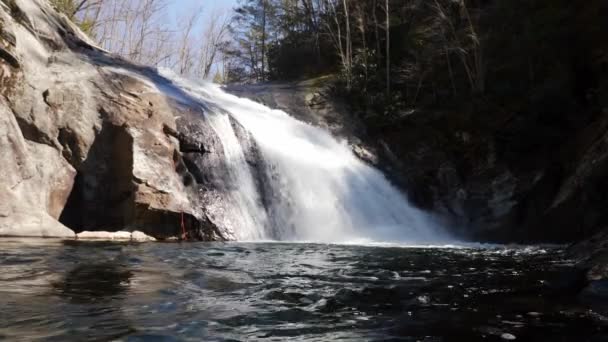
(89, 141)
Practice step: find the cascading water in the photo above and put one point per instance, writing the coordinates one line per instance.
(314, 188)
(246, 215)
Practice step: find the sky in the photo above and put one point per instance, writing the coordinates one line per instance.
(181, 7)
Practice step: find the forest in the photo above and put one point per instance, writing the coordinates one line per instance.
(388, 57)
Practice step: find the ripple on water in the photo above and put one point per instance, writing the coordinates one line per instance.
(272, 291)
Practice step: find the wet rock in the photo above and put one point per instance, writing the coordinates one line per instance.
(423, 299)
(307, 101)
(101, 235)
(508, 337)
(9, 58)
(365, 154)
(141, 237)
(136, 236)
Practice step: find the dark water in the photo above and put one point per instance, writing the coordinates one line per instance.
(274, 292)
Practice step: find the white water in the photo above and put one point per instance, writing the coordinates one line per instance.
(247, 217)
(321, 191)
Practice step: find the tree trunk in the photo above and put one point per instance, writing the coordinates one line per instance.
(388, 50)
(349, 47)
(263, 72)
(362, 26)
(376, 31)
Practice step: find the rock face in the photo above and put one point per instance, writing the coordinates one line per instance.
(309, 101)
(500, 177)
(524, 159)
(87, 140)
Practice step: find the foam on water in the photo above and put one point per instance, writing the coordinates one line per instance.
(325, 193)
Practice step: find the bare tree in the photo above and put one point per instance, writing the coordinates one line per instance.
(185, 57)
(388, 49)
(376, 27)
(342, 43)
(349, 45)
(85, 5)
(213, 40)
(263, 39)
(361, 21)
(132, 28)
(313, 23)
(465, 43)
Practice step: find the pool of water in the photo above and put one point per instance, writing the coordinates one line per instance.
(76, 291)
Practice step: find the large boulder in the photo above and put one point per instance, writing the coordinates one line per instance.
(83, 137)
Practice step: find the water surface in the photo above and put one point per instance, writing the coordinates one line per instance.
(69, 291)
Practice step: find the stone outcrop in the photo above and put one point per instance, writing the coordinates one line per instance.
(496, 177)
(310, 101)
(85, 137)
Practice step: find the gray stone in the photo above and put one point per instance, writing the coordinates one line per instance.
(508, 337)
(141, 237)
(106, 236)
(82, 139)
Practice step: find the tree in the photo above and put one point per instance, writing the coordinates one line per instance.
(462, 39)
(70, 7)
(250, 29)
(134, 29)
(218, 78)
(214, 40)
(84, 13)
(388, 49)
(185, 54)
(342, 43)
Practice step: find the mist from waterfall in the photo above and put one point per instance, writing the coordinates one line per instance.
(315, 188)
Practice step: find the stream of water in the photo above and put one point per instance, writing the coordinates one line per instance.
(70, 291)
(315, 188)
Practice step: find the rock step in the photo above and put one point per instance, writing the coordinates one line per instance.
(115, 236)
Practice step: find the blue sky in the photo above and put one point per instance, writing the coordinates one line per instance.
(180, 7)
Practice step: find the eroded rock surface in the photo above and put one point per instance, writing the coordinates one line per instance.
(84, 141)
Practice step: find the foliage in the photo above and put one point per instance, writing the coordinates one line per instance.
(71, 8)
(67, 7)
(391, 56)
(397, 55)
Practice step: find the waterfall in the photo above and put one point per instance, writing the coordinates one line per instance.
(309, 186)
(246, 218)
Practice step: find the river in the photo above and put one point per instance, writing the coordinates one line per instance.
(76, 291)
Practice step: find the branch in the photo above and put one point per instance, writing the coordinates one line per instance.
(79, 7)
